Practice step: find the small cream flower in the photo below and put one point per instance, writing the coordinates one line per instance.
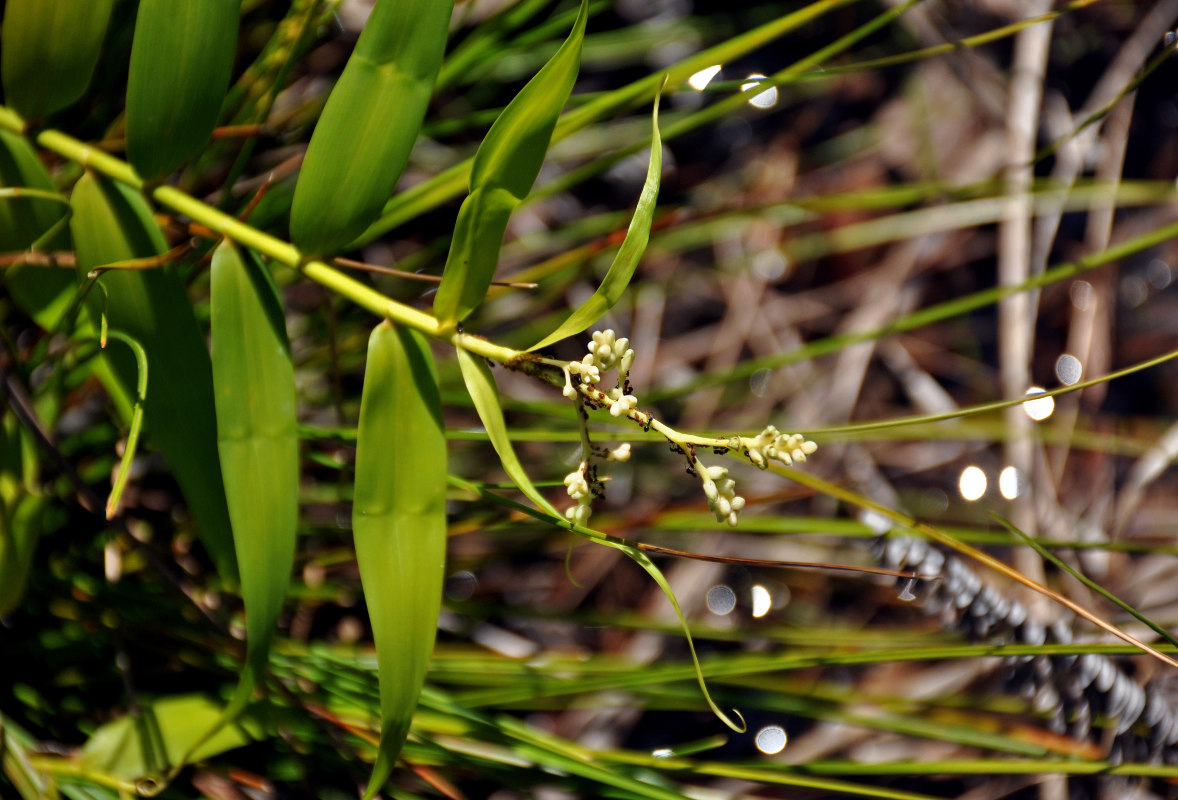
(620, 453)
(587, 369)
(622, 403)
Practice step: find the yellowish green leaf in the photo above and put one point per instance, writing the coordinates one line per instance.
(133, 747)
(253, 383)
(399, 523)
(369, 124)
(481, 386)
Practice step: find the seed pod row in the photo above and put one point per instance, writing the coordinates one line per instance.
(112, 222)
(399, 523)
(257, 441)
(181, 60)
(48, 51)
(369, 124)
(1144, 722)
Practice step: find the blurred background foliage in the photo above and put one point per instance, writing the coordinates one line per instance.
(799, 234)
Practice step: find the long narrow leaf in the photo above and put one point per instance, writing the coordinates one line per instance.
(626, 261)
(501, 176)
(369, 124)
(399, 523)
(253, 383)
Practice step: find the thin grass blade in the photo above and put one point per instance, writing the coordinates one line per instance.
(253, 383)
(369, 125)
(132, 446)
(48, 51)
(501, 176)
(181, 60)
(626, 261)
(111, 223)
(399, 523)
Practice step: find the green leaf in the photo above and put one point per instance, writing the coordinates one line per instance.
(626, 261)
(501, 176)
(253, 383)
(42, 293)
(111, 223)
(369, 125)
(181, 60)
(481, 385)
(399, 523)
(48, 51)
(133, 747)
(25, 219)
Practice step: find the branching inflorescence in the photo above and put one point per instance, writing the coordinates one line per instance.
(581, 379)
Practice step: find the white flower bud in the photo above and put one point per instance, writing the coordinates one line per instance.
(715, 473)
(620, 453)
(627, 364)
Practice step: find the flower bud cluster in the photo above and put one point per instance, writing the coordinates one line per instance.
(721, 493)
(579, 490)
(773, 445)
(606, 351)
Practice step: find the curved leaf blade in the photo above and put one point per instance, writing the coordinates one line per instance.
(399, 523)
(626, 261)
(501, 176)
(481, 385)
